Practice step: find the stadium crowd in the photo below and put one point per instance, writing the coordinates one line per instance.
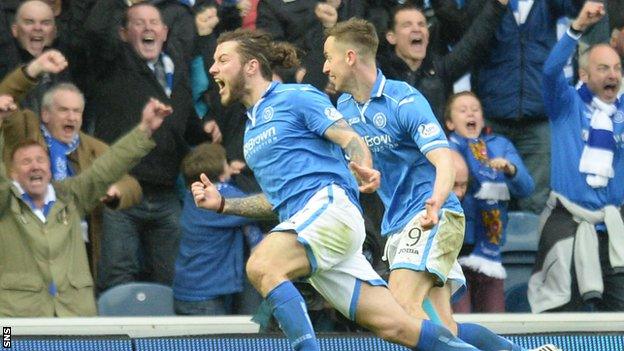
(527, 91)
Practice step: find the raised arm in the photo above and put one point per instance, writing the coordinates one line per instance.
(91, 184)
(361, 160)
(19, 82)
(473, 47)
(7, 107)
(207, 196)
(556, 87)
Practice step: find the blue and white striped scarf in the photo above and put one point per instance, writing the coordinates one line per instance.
(59, 151)
(169, 68)
(597, 157)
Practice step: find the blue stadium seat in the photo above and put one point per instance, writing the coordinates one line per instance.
(522, 232)
(519, 254)
(136, 299)
(516, 299)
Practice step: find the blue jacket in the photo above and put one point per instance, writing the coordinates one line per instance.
(520, 185)
(211, 258)
(509, 82)
(569, 126)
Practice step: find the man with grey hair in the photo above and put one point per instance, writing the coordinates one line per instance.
(58, 127)
(580, 261)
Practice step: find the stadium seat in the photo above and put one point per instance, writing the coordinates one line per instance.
(519, 254)
(516, 299)
(136, 299)
(522, 232)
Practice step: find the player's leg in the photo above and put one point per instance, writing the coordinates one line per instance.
(329, 228)
(410, 288)
(421, 259)
(473, 334)
(357, 291)
(378, 312)
(275, 261)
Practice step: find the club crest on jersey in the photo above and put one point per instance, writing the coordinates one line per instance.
(618, 117)
(379, 120)
(428, 130)
(333, 114)
(267, 114)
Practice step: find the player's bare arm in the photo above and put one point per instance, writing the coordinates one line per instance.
(361, 164)
(442, 186)
(254, 206)
(349, 140)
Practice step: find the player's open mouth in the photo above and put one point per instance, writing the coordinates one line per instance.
(221, 85)
(69, 128)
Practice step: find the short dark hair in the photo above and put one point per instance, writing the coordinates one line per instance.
(125, 19)
(205, 158)
(257, 44)
(403, 7)
(26, 143)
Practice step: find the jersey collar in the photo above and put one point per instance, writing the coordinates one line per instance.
(251, 112)
(380, 84)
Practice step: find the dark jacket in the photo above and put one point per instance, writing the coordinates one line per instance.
(296, 22)
(120, 85)
(436, 75)
(509, 82)
(107, 16)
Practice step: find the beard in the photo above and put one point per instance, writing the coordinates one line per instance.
(236, 90)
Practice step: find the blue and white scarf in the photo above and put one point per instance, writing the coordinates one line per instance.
(491, 204)
(169, 68)
(597, 157)
(59, 151)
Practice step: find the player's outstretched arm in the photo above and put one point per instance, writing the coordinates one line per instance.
(361, 164)
(207, 196)
(442, 186)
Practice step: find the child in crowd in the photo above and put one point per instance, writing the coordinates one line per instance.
(209, 270)
(496, 174)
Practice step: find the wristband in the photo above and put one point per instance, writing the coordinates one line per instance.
(221, 205)
(575, 31)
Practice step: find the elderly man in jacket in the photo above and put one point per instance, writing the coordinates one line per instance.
(44, 263)
(580, 261)
(59, 129)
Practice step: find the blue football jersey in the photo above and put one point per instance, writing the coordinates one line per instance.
(285, 148)
(399, 127)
